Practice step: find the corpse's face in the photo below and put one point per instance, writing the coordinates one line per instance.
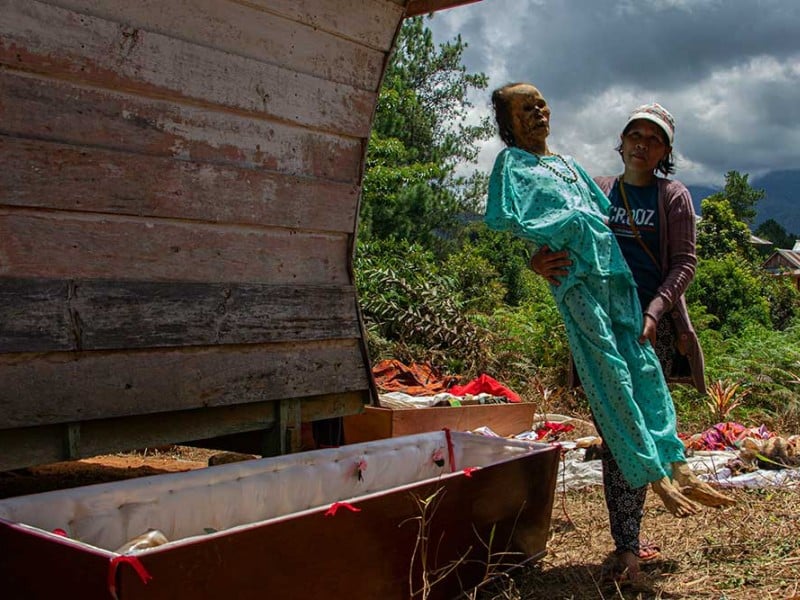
(530, 117)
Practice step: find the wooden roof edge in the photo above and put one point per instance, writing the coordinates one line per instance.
(422, 7)
(793, 258)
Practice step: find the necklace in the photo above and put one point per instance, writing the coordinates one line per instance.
(565, 178)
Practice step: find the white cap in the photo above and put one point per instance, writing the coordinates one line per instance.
(655, 113)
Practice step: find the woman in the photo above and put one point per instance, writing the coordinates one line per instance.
(549, 199)
(658, 244)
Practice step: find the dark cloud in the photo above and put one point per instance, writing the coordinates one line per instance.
(728, 70)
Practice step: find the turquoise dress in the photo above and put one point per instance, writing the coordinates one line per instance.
(552, 201)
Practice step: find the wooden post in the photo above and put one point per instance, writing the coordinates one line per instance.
(290, 425)
(72, 441)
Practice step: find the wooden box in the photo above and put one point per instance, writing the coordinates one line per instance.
(378, 423)
(337, 523)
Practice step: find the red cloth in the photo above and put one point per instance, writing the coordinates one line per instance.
(552, 430)
(484, 384)
(414, 380)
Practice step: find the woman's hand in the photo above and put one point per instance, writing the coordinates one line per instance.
(550, 264)
(648, 331)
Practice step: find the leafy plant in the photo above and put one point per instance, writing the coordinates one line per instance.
(722, 399)
(407, 301)
(731, 291)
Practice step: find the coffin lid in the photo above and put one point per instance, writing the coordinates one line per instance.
(420, 7)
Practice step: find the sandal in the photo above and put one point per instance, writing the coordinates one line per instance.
(648, 552)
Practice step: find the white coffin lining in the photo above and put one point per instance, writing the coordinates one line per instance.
(189, 504)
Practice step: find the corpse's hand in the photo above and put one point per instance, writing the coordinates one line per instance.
(549, 264)
(648, 331)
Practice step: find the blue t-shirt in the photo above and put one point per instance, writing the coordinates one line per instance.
(644, 206)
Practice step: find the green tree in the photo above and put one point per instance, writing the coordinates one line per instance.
(424, 99)
(783, 298)
(720, 233)
(774, 232)
(420, 135)
(509, 255)
(731, 292)
(741, 196)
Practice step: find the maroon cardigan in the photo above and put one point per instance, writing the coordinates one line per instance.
(678, 262)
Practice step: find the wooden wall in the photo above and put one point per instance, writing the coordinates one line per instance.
(178, 207)
(178, 203)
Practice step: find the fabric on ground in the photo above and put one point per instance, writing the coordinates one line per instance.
(726, 436)
(485, 384)
(415, 379)
(710, 466)
(403, 400)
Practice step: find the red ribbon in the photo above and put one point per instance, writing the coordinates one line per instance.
(469, 470)
(450, 451)
(337, 505)
(132, 561)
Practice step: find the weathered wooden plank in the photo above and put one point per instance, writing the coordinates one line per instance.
(67, 387)
(421, 7)
(34, 107)
(50, 245)
(327, 406)
(28, 446)
(24, 447)
(372, 22)
(241, 29)
(59, 176)
(49, 316)
(44, 39)
(34, 316)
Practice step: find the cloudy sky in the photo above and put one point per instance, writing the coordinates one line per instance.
(728, 70)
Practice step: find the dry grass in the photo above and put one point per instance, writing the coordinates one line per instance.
(751, 550)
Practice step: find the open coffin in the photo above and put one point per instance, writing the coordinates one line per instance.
(333, 523)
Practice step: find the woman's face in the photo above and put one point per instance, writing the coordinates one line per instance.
(643, 146)
(530, 116)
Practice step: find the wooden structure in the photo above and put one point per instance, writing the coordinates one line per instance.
(377, 422)
(785, 263)
(271, 528)
(178, 207)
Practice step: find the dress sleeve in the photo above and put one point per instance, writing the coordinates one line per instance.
(506, 209)
(500, 200)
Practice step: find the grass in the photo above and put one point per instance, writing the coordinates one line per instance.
(751, 550)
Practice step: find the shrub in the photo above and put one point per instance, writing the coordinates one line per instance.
(731, 292)
(783, 299)
(413, 312)
(478, 282)
(766, 361)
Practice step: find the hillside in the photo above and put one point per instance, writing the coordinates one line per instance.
(780, 203)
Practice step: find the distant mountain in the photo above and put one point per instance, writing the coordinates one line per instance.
(700, 193)
(781, 202)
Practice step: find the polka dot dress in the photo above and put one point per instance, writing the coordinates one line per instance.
(598, 302)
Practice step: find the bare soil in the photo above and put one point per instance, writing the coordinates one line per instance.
(102, 469)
